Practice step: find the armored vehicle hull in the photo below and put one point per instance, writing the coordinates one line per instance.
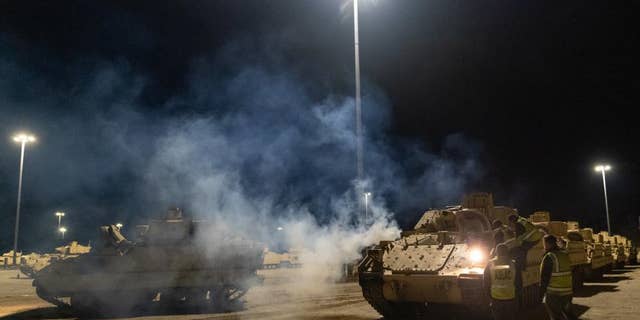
(34, 262)
(439, 266)
(600, 260)
(168, 266)
(573, 243)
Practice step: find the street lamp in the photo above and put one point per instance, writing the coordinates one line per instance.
(602, 168)
(119, 225)
(356, 45)
(366, 205)
(23, 139)
(62, 230)
(59, 215)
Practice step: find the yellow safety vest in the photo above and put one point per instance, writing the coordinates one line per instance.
(561, 282)
(531, 233)
(503, 280)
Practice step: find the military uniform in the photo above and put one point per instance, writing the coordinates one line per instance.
(531, 234)
(557, 284)
(500, 277)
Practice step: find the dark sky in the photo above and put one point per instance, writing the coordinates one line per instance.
(546, 89)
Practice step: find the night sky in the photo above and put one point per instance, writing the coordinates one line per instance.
(535, 92)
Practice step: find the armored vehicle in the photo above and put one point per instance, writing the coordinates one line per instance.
(633, 253)
(288, 259)
(32, 263)
(438, 266)
(619, 254)
(175, 262)
(626, 248)
(600, 261)
(602, 239)
(6, 260)
(571, 240)
(611, 245)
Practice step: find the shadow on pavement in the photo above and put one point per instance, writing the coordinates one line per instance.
(335, 317)
(57, 313)
(40, 313)
(619, 271)
(590, 290)
(612, 279)
(579, 310)
(540, 313)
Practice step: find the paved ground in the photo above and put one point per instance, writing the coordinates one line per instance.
(282, 297)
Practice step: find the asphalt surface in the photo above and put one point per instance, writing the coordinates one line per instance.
(283, 296)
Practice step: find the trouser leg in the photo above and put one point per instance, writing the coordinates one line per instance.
(567, 307)
(559, 307)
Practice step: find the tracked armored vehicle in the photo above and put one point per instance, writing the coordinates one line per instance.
(438, 266)
(633, 253)
(619, 254)
(175, 262)
(34, 262)
(599, 260)
(572, 240)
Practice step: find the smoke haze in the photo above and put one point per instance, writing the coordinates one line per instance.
(251, 144)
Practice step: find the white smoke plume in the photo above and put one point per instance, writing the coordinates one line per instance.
(250, 144)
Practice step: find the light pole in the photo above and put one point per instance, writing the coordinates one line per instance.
(62, 230)
(602, 168)
(356, 45)
(23, 139)
(119, 226)
(366, 205)
(59, 215)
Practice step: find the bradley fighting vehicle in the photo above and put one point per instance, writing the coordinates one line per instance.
(623, 242)
(611, 247)
(171, 264)
(571, 240)
(438, 266)
(617, 250)
(34, 262)
(599, 258)
(633, 252)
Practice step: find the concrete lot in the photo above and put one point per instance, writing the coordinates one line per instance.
(282, 297)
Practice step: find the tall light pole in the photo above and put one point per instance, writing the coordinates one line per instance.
(59, 215)
(356, 45)
(62, 230)
(602, 168)
(366, 205)
(23, 139)
(359, 151)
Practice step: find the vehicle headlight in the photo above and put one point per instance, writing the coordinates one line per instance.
(477, 255)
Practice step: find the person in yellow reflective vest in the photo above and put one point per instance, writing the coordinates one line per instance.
(527, 236)
(556, 283)
(499, 280)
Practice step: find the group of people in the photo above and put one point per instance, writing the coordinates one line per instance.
(503, 274)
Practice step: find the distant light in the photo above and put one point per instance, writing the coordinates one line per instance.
(62, 229)
(119, 225)
(367, 194)
(279, 228)
(24, 138)
(602, 167)
(59, 214)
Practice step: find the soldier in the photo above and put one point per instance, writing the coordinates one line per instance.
(531, 234)
(498, 235)
(556, 285)
(499, 280)
(527, 235)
